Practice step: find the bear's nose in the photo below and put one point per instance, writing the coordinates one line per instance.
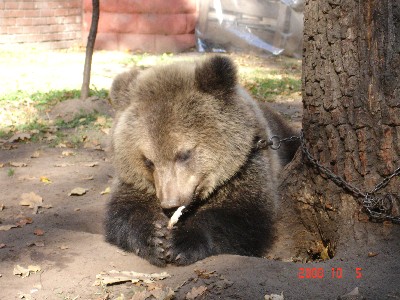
(170, 203)
(169, 211)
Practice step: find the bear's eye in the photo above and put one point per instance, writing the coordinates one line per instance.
(148, 163)
(183, 156)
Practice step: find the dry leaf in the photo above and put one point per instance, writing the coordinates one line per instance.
(1, 165)
(204, 274)
(61, 145)
(372, 254)
(91, 164)
(7, 227)
(32, 200)
(67, 153)
(19, 137)
(45, 179)
(106, 130)
(113, 276)
(24, 221)
(90, 177)
(18, 164)
(50, 137)
(78, 192)
(196, 292)
(38, 232)
(155, 292)
(274, 297)
(63, 247)
(2, 207)
(2, 246)
(63, 165)
(101, 121)
(35, 154)
(25, 272)
(106, 191)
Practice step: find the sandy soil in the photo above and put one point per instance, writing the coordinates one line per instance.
(62, 240)
(66, 242)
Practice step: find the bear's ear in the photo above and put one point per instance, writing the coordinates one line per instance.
(121, 89)
(217, 76)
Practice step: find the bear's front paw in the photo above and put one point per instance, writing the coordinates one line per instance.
(182, 257)
(159, 242)
(187, 247)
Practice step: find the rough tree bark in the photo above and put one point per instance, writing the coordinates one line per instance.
(89, 49)
(351, 123)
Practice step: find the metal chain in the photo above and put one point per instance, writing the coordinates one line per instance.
(378, 208)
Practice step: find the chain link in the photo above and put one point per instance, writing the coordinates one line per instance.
(378, 208)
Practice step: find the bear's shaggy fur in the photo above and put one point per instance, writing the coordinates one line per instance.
(188, 134)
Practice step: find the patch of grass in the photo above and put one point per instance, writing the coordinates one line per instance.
(23, 111)
(10, 172)
(43, 100)
(79, 120)
(269, 88)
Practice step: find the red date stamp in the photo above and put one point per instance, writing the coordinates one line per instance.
(318, 273)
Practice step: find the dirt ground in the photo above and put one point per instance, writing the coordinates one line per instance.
(56, 250)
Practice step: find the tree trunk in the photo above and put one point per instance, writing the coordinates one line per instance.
(351, 123)
(89, 49)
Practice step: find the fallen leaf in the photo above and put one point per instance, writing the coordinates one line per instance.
(45, 179)
(204, 274)
(2, 207)
(67, 153)
(2, 246)
(24, 221)
(7, 227)
(77, 209)
(38, 232)
(19, 137)
(155, 292)
(91, 164)
(61, 145)
(106, 191)
(196, 292)
(106, 130)
(35, 154)
(63, 165)
(78, 191)
(50, 137)
(90, 177)
(274, 297)
(63, 247)
(101, 121)
(372, 254)
(95, 145)
(113, 277)
(18, 164)
(25, 272)
(1, 165)
(32, 200)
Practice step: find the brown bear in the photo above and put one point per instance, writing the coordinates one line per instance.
(187, 134)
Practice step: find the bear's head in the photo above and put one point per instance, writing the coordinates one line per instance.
(182, 130)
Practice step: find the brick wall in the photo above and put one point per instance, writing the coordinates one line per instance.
(143, 25)
(43, 24)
